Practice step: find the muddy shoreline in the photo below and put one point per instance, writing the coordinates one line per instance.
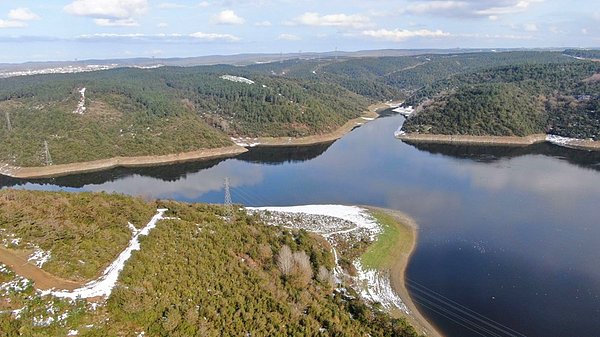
(579, 144)
(204, 154)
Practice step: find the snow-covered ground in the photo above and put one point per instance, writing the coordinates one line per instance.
(245, 141)
(561, 141)
(104, 284)
(81, 105)
(375, 287)
(237, 79)
(405, 111)
(335, 222)
(39, 257)
(399, 132)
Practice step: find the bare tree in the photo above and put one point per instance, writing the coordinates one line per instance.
(285, 260)
(325, 276)
(302, 267)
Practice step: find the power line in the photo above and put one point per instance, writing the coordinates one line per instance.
(463, 309)
(430, 298)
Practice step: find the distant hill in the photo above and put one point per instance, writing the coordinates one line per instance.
(133, 111)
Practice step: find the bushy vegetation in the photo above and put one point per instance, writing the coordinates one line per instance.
(196, 274)
(562, 99)
(133, 112)
(95, 225)
(584, 53)
(485, 109)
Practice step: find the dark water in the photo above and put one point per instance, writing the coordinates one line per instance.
(511, 233)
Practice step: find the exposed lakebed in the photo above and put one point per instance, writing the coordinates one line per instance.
(512, 233)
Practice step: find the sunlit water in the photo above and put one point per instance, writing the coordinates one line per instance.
(513, 234)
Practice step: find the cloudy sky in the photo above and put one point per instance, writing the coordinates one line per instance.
(83, 29)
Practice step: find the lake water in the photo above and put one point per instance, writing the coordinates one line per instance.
(510, 233)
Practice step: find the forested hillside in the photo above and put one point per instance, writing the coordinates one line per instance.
(561, 99)
(132, 112)
(195, 274)
(135, 112)
(584, 53)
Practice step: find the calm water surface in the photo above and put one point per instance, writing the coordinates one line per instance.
(513, 234)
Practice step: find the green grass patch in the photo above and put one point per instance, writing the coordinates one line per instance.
(395, 239)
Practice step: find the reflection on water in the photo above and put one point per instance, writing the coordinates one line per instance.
(283, 154)
(483, 153)
(512, 233)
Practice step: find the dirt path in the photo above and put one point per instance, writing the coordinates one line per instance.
(17, 261)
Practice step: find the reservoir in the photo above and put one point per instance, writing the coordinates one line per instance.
(512, 234)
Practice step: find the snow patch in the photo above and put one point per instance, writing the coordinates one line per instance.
(562, 141)
(245, 141)
(404, 111)
(39, 257)
(104, 284)
(238, 79)
(375, 287)
(81, 105)
(336, 222)
(356, 215)
(399, 132)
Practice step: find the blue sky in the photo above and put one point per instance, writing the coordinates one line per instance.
(35, 30)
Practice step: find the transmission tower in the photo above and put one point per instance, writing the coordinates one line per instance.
(228, 203)
(47, 154)
(8, 125)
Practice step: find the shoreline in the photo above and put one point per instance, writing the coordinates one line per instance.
(517, 141)
(474, 140)
(367, 116)
(110, 163)
(397, 272)
(59, 170)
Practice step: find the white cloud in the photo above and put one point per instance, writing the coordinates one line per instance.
(467, 8)
(510, 7)
(214, 37)
(162, 25)
(170, 5)
(227, 17)
(107, 9)
(12, 24)
(332, 20)
(173, 37)
(530, 27)
(496, 36)
(289, 37)
(584, 31)
(398, 35)
(116, 22)
(436, 6)
(263, 24)
(177, 5)
(596, 16)
(22, 14)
